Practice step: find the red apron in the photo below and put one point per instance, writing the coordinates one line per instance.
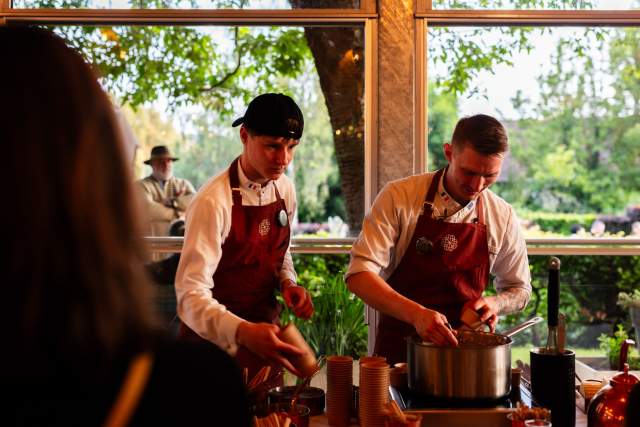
(247, 275)
(445, 265)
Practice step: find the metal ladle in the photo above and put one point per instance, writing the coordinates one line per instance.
(469, 337)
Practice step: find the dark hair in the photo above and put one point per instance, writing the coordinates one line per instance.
(74, 285)
(483, 133)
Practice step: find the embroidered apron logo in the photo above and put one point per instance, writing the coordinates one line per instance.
(449, 243)
(264, 227)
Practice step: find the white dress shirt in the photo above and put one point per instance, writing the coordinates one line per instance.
(208, 223)
(387, 230)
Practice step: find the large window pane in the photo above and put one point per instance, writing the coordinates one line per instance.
(537, 4)
(589, 293)
(189, 4)
(570, 99)
(182, 87)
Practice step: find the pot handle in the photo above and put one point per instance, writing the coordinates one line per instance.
(523, 326)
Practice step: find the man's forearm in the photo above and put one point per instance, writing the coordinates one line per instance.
(511, 300)
(375, 292)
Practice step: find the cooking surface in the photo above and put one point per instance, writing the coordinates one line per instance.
(411, 401)
(456, 413)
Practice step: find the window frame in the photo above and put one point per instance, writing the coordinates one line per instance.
(366, 17)
(426, 17)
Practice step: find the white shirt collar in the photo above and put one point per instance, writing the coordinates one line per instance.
(247, 184)
(445, 205)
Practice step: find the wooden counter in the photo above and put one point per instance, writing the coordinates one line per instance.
(321, 420)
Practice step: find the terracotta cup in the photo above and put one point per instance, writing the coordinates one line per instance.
(306, 364)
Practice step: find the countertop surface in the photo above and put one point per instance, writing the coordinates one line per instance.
(322, 421)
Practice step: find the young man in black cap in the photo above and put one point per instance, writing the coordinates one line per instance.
(236, 248)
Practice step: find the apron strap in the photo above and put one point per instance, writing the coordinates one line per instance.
(235, 184)
(431, 193)
(480, 210)
(433, 187)
(131, 391)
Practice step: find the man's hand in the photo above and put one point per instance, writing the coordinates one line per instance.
(487, 308)
(298, 299)
(434, 326)
(262, 339)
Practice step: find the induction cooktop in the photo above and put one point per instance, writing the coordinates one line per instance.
(410, 401)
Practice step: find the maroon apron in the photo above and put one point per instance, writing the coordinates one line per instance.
(445, 265)
(248, 272)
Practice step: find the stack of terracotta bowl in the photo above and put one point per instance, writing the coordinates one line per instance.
(374, 392)
(339, 389)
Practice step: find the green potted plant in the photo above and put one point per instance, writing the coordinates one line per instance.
(631, 301)
(611, 345)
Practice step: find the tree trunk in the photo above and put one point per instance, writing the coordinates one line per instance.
(338, 55)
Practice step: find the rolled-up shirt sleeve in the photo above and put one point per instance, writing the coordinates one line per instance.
(511, 265)
(206, 223)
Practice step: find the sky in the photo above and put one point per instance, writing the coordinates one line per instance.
(502, 85)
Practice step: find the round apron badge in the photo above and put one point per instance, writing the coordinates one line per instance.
(283, 219)
(449, 243)
(424, 246)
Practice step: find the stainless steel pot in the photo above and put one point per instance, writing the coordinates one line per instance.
(479, 368)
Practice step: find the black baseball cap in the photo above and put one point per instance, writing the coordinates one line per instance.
(273, 114)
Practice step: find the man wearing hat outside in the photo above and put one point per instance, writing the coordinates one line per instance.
(165, 196)
(236, 248)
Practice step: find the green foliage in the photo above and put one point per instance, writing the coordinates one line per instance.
(465, 55)
(588, 296)
(187, 66)
(443, 115)
(580, 153)
(337, 326)
(612, 345)
(628, 300)
(211, 152)
(316, 174)
(557, 222)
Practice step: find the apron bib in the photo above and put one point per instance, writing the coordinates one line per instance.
(252, 255)
(445, 266)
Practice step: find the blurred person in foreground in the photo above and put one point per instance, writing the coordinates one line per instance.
(236, 245)
(81, 346)
(430, 241)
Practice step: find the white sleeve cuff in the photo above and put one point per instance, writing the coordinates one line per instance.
(228, 329)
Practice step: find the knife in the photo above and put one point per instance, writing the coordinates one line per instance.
(562, 332)
(553, 301)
